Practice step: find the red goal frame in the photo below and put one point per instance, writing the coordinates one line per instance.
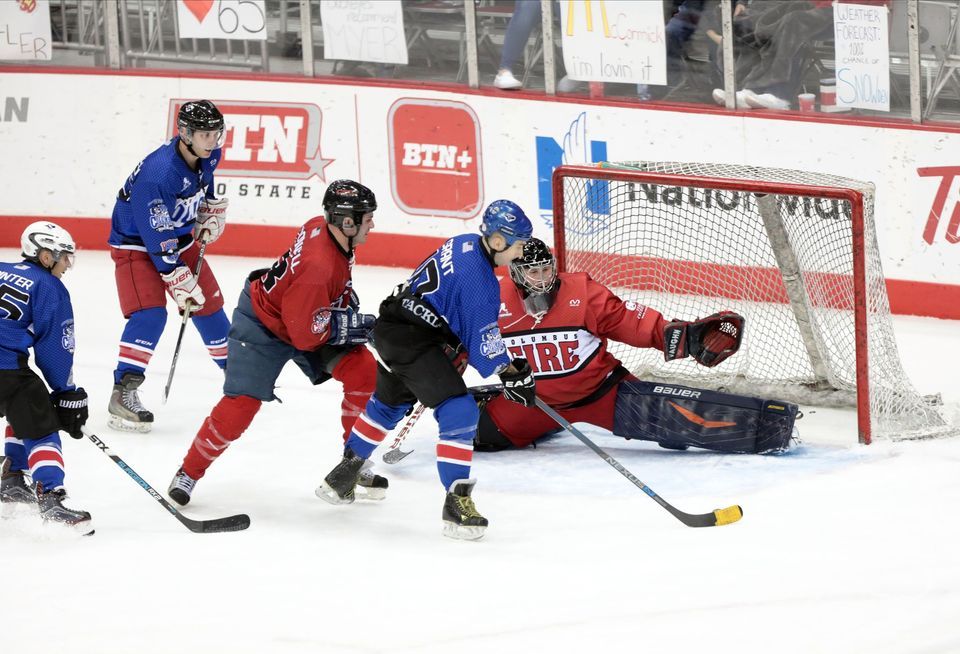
(854, 197)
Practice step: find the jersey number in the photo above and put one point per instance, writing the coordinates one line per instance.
(432, 281)
(277, 271)
(7, 296)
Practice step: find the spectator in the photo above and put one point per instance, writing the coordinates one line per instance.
(526, 16)
(781, 30)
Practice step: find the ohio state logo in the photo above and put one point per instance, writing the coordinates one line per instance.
(268, 139)
(435, 163)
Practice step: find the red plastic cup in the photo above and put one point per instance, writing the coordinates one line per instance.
(806, 101)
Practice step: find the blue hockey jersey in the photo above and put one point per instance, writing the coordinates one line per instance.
(35, 311)
(458, 282)
(157, 206)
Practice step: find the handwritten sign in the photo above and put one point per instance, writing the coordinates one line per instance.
(364, 31)
(222, 19)
(862, 56)
(25, 30)
(614, 41)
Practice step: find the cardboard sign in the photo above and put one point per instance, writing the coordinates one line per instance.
(25, 30)
(364, 31)
(222, 19)
(862, 55)
(614, 41)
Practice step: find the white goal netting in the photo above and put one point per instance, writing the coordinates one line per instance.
(784, 248)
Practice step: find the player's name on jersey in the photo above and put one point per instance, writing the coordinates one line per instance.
(15, 279)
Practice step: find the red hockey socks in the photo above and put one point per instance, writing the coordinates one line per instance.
(228, 420)
(357, 371)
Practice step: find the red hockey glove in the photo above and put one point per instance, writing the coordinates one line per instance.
(458, 357)
(709, 340)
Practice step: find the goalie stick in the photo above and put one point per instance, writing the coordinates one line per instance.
(394, 454)
(183, 328)
(715, 518)
(231, 523)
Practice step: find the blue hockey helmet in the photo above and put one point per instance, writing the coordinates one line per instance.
(507, 218)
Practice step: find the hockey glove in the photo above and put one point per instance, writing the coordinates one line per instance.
(709, 340)
(183, 288)
(518, 383)
(211, 219)
(458, 357)
(72, 410)
(347, 327)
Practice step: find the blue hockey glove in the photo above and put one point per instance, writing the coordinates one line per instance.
(347, 327)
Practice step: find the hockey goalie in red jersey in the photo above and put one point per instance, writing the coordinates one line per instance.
(560, 323)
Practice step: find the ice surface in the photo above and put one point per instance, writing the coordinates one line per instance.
(842, 548)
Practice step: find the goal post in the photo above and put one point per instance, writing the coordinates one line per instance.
(794, 252)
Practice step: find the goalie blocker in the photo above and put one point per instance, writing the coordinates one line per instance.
(678, 417)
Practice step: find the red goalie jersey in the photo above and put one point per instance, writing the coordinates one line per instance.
(567, 346)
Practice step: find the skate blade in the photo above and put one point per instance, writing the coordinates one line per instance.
(84, 528)
(122, 424)
(370, 494)
(463, 532)
(330, 496)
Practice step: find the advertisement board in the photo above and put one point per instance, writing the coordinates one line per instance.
(435, 158)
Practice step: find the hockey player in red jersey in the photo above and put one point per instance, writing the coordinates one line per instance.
(303, 308)
(560, 323)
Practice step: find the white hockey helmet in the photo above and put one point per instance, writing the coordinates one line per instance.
(43, 235)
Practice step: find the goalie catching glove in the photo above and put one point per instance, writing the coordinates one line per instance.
(518, 383)
(211, 219)
(347, 327)
(183, 288)
(709, 340)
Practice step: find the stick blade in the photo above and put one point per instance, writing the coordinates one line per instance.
(395, 456)
(716, 518)
(237, 522)
(728, 515)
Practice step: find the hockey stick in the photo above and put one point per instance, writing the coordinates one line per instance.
(231, 523)
(713, 519)
(394, 454)
(183, 328)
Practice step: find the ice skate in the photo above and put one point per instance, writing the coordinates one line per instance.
(52, 510)
(181, 487)
(15, 493)
(460, 516)
(126, 411)
(371, 486)
(339, 486)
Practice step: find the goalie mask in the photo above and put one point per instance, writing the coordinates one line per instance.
(535, 275)
(344, 205)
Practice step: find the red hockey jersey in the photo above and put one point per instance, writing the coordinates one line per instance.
(293, 299)
(567, 349)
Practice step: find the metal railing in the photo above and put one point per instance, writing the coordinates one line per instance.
(460, 41)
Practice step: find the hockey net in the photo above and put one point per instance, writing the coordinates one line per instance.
(794, 252)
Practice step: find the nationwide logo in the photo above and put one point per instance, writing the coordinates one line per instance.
(573, 148)
(435, 162)
(268, 139)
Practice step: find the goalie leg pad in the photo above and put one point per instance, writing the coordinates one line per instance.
(677, 417)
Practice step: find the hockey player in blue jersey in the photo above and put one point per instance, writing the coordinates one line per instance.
(35, 312)
(451, 301)
(166, 205)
